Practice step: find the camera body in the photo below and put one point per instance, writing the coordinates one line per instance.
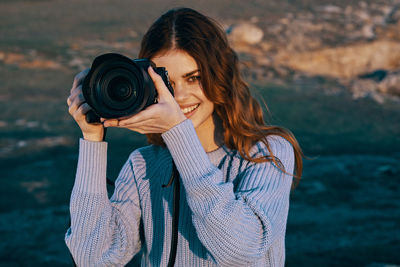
(117, 86)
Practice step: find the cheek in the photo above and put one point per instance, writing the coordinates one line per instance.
(208, 107)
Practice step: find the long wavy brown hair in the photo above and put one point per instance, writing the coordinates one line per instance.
(241, 115)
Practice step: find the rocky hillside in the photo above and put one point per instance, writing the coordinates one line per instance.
(357, 46)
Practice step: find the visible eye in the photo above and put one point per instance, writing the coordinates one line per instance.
(194, 78)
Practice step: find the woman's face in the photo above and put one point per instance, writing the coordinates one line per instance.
(184, 76)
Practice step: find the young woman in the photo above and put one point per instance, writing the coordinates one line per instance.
(235, 172)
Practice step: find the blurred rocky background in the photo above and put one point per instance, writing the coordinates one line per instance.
(356, 45)
(328, 70)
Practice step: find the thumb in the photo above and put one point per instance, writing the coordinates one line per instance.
(161, 88)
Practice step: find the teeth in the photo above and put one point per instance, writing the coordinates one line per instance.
(189, 109)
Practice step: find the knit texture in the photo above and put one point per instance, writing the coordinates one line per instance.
(232, 212)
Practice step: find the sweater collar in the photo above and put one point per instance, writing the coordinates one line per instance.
(216, 156)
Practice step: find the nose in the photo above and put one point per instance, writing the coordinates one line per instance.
(180, 94)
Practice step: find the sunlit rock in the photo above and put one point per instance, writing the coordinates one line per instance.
(344, 62)
(245, 33)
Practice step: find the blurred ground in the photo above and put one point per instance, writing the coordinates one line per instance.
(346, 210)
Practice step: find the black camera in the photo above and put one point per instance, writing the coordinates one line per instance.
(117, 86)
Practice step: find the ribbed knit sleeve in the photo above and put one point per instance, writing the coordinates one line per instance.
(238, 224)
(102, 232)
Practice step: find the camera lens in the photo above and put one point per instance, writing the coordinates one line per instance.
(120, 89)
(117, 86)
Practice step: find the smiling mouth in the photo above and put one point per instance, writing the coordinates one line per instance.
(189, 109)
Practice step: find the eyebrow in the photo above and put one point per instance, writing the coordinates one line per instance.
(190, 73)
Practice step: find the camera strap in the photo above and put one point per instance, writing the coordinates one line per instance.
(175, 213)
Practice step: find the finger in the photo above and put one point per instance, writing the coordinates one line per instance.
(144, 115)
(111, 123)
(144, 130)
(76, 102)
(149, 127)
(80, 113)
(139, 130)
(74, 93)
(150, 124)
(77, 98)
(161, 88)
(72, 107)
(79, 78)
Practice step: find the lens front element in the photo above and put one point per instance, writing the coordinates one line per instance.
(120, 89)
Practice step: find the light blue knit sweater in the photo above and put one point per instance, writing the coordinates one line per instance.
(232, 212)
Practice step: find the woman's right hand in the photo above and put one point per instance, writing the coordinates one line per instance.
(78, 109)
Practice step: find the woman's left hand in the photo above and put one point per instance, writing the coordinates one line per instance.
(157, 118)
